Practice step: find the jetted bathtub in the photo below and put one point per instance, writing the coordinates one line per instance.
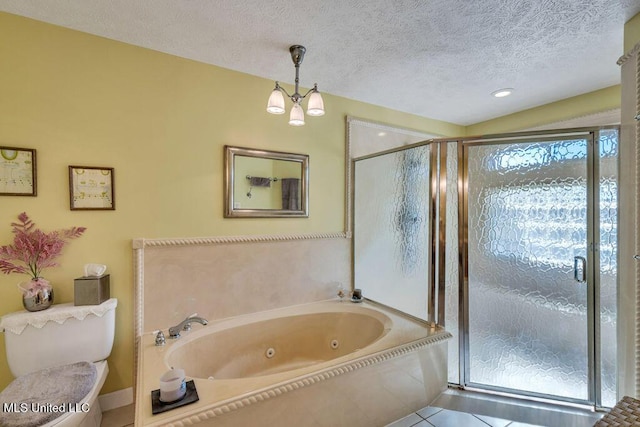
(335, 363)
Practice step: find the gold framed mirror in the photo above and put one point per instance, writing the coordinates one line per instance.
(265, 184)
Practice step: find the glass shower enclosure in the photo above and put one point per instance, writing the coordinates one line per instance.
(392, 228)
(508, 241)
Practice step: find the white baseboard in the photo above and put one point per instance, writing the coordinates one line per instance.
(116, 399)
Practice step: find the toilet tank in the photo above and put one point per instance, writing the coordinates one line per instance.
(59, 335)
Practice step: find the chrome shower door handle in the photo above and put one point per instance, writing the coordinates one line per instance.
(580, 274)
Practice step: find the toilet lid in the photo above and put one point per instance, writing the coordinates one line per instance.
(39, 397)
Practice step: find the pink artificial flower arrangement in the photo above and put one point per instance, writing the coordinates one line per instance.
(33, 250)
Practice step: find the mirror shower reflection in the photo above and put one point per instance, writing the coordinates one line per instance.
(262, 183)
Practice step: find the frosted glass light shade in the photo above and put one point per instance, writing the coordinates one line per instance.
(275, 105)
(315, 107)
(297, 115)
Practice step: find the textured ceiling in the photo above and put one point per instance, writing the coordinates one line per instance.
(434, 58)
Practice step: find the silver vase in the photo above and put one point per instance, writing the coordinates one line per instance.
(38, 299)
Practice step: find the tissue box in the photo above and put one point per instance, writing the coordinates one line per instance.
(91, 290)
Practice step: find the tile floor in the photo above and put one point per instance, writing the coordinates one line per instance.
(432, 416)
(455, 408)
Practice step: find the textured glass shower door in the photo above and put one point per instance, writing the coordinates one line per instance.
(391, 239)
(528, 281)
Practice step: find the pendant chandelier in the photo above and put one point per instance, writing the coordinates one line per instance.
(315, 105)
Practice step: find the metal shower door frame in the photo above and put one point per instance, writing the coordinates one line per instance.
(593, 300)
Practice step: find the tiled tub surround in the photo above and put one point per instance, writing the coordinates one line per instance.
(395, 367)
(233, 281)
(220, 277)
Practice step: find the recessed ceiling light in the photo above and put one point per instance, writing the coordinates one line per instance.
(501, 93)
(382, 133)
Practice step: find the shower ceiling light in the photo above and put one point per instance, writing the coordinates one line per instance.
(501, 93)
(315, 105)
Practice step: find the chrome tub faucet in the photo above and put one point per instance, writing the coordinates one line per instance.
(185, 325)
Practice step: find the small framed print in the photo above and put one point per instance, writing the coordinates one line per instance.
(17, 171)
(91, 188)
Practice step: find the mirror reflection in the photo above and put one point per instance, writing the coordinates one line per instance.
(264, 183)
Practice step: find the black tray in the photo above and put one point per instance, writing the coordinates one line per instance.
(158, 407)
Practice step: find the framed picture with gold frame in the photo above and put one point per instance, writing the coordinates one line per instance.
(17, 171)
(91, 188)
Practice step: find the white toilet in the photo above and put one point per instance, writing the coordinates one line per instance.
(58, 357)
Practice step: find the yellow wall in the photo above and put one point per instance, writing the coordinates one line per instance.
(161, 122)
(581, 105)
